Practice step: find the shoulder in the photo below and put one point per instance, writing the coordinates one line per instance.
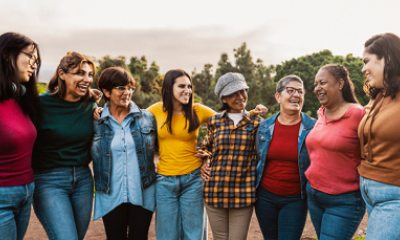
(203, 112)
(155, 108)
(307, 120)
(356, 111)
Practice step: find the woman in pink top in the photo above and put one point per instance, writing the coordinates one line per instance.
(333, 191)
(19, 67)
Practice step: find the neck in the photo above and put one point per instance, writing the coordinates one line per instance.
(70, 98)
(177, 107)
(119, 113)
(288, 118)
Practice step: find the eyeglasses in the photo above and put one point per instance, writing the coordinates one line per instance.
(32, 59)
(122, 89)
(291, 90)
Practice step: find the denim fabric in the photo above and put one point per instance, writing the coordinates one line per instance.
(180, 208)
(264, 138)
(126, 184)
(63, 201)
(280, 217)
(335, 216)
(15, 210)
(383, 205)
(143, 130)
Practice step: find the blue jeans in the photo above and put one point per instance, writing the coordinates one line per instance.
(383, 205)
(15, 210)
(180, 208)
(280, 217)
(335, 216)
(63, 201)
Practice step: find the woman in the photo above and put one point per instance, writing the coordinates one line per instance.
(281, 206)
(229, 192)
(179, 186)
(333, 191)
(380, 166)
(64, 184)
(123, 151)
(19, 68)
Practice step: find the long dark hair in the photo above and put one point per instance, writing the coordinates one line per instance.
(167, 98)
(340, 72)
(386, 46)
(11, 45)
(70, 61)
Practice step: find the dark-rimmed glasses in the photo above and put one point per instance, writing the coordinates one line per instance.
(292, 90)
(32, 59)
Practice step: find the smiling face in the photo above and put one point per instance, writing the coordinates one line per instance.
(373, 70)
(77, 82)
(120, 96)
(182, 90)
(27, 63)
(327, 88)
(236, 101)
(291, 98)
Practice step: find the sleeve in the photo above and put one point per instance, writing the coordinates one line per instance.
(203, 112)
(208, 141)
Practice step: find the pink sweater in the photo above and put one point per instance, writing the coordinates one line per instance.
(334, 151)
(17, 136)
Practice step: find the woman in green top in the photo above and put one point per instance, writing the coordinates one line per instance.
(64, 184)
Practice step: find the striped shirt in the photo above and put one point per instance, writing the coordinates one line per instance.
(233, 161)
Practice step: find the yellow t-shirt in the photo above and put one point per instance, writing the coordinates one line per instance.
(177, 150)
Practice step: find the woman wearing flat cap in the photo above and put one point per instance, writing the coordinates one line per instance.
(230, 167)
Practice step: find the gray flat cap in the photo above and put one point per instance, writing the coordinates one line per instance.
(229, 83)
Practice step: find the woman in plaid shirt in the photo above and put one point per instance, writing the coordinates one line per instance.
(229, 189)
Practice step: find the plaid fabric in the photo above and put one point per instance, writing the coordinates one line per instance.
(233, 161)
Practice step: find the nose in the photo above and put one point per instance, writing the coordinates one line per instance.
(364, 69)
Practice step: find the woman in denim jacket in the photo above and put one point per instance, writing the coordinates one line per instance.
(281, 205)
(123, 151)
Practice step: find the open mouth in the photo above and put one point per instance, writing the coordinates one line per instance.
(83, 87)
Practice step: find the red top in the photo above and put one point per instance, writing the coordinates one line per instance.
(17, 136)
(334, 151)
(281, 173)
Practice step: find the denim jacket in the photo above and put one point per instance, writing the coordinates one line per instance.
(264, 138)
(143, 130)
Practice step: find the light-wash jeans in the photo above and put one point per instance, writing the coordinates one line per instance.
(63, 201)
(383, 206)
(180, 209)
(15, 210)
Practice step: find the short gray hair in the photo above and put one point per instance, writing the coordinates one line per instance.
(280, 86)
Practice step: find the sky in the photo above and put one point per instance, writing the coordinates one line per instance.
(188, 34)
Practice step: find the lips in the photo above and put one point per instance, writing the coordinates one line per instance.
(83, 87)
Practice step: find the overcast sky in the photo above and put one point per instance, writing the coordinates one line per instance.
(188, 34)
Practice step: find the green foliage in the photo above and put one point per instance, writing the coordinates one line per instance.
(261, 78)
(41, 87)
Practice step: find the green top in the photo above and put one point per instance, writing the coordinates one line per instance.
(65, 133)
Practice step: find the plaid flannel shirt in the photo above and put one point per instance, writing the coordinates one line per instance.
(233, 160)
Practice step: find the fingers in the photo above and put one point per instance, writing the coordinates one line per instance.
(97, 113)
(205, 171)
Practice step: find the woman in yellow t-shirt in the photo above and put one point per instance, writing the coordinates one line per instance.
(179, 195)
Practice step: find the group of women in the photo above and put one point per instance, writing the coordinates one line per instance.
(334, 167)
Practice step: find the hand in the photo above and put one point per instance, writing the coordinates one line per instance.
(205, 171)
(260, 109)
(97, 113)
(96, 94)
(202, 154)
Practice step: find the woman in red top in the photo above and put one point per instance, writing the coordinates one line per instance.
(333, 195)
(19, 67)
